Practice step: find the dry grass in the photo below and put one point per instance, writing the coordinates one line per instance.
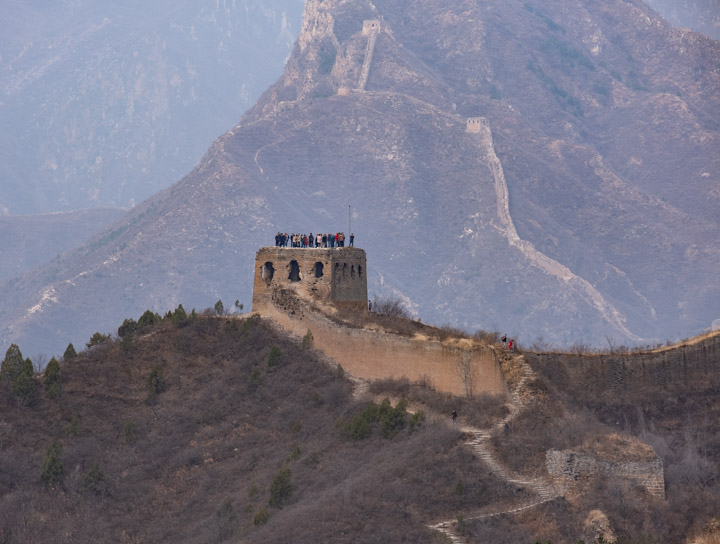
(481, 411)
(205, 449)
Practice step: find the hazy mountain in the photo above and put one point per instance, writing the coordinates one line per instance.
(700, 15)
(587, 210)
(105, 103)
(31, 240)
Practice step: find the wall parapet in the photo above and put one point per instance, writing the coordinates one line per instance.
(370, 354)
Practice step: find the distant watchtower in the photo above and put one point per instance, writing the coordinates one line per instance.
(335, 275)
(370, 26)
(476, 124)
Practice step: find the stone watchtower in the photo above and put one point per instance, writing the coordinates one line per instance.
(334, 275)
(476, 124)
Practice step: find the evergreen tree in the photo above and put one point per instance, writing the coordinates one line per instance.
(219, 308)
(128, 327)
(280, 488)
(179, 317)
(70, 352)
(24, 387)
(12, 365)
(52, 378)
(52, 471)
(147, 319)
(97, 339)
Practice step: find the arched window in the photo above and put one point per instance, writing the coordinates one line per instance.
(294, 271)
(352, 271)
(319, 269)
(267, 271)
(344, 270)
(360, 270)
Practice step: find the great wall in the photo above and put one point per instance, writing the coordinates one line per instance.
(299, 290)
(302, 290)
(289, 281)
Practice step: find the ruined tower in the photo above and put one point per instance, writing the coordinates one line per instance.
(334, 275)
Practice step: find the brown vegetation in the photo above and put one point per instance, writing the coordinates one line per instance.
(216, 431)
(481, 411)
(667, 398)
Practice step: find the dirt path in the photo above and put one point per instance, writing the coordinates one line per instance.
(480, 441)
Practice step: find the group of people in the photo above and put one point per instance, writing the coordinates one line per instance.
(510, 344)
(308, 240)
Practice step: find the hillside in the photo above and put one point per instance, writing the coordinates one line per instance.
(192, 431)
(195, 461)
(584, 209)
(104, 104)
(31, 240)
(700, 15)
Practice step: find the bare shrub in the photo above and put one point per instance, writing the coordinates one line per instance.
(449, 331)
(489, 337)
(390, 306)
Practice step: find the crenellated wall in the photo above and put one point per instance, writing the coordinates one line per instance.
(459, 367)
(336, 275)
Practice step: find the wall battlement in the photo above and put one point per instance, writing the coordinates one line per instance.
(334, 275)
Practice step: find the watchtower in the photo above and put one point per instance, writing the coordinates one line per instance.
(335, 275)
(476, 124)
(370, 26)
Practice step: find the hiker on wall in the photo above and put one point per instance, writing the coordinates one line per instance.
(352, 240)
(454, 416)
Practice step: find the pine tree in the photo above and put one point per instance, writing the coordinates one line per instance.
(12, 365)
(52, 471)
(52, 378)
(147, 319)
(128, 327)
(179, 317)
(70, 353)
(24, 387)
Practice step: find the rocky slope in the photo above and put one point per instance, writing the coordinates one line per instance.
(700, 15)
(105, 104)
(584, 209)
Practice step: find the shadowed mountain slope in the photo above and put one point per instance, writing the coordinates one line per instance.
(584, 208)
(31, 240)
(104, 104)
(700, 15)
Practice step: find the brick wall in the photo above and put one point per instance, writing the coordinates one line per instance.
(374, 355)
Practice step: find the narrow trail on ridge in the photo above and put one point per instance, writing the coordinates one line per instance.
(479, 440)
